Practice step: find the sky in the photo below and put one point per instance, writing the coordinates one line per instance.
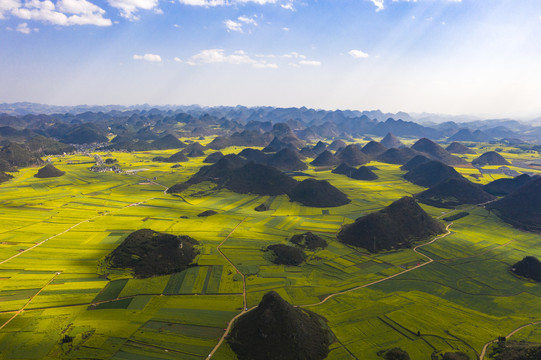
(475, 57)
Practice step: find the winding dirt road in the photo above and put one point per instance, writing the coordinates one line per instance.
(244, 304)
(245, 309)
(485, 348)
(391, 276)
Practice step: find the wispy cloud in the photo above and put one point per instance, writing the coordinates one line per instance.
(288, 6)
(248, 20)
(358, 54)
(129, 8)
(310, 62)
(233, 25)
(212, 3)
(177, 59)
(294, 55)
(63, 13)
(218, 56)
(148, 57)
(237, 26)
(378, 4)
(23, 28)
(294, 59)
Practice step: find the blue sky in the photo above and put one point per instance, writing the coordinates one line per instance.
(478, 57)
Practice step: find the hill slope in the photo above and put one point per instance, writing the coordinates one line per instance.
(326, 158)
(529, 267)
(287, 160)
(431, 173)
(49, 171)
(436, 152)
(344, 169)
(318, 193)
(258, 179)
(353, 156)
(458, 148)
(490, 158)
(397, 156)
(396, 226)
(416, 161)
(506, 186)
(4, 177)
(363, 173)
(521, 208)
(150, 253)
(18, 156)
(374, 148)
(391, 141)
(454, 192)
(277, 330)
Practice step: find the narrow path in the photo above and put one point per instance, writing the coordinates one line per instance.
(95, 303)
(245, 309)
(244, 305)
(71, 228)
(17, 313)
(165, 187)
(485, 348)
(391, 276)
(233, 265)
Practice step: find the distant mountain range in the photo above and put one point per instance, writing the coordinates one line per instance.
(86, 123)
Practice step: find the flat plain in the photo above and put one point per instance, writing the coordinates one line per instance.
(56, 232)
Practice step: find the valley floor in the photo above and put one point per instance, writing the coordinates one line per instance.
(452, 294)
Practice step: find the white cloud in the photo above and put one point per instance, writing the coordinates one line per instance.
(212, 3)
(310, 62)
(218, 56)
(177, 59)
(148, 57)
(285, 28)
(128, 8)
(205, 3)
(288, 6)
(260, 2)
(358, 54)
(294, 55)
(378, 4)
(23, 28)
(64, 13)
(7, 6)
(237, 26)
(214, 56)
(233, 25)
(247, 20)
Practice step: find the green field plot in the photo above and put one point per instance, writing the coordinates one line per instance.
(55, 234)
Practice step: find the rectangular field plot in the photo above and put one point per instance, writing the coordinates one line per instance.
(463, 298)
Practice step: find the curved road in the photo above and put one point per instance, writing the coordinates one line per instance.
(485, 348)
(391, 276)
(245, 309)
(244, 304)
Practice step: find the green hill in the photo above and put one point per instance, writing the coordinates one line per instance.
(277, 330)
(396, 226)
(150, 253)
